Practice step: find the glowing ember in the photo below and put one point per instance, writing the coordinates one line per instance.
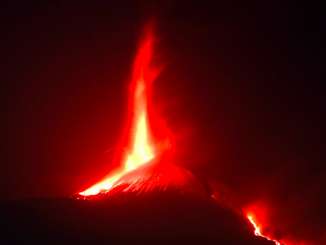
(258, 231)
(141, 149)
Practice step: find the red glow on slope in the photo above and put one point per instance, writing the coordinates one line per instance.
(141, 148)
(258, 229)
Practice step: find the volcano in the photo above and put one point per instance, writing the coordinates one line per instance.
(148, 198)
(157, 198)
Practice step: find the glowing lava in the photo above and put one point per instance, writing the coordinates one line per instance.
(258, 231)
(141, 149)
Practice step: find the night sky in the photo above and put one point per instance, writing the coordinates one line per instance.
(242, 89)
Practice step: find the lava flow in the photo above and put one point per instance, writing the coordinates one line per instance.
(258, 231)
(142, 149)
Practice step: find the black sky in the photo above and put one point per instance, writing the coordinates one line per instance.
(242, 88)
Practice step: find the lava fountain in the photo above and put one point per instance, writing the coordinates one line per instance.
(141, 148)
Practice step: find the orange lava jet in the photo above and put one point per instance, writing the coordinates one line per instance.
(141, 149)
(258, 231)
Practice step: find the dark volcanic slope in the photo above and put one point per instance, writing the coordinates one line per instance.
(148, 218)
